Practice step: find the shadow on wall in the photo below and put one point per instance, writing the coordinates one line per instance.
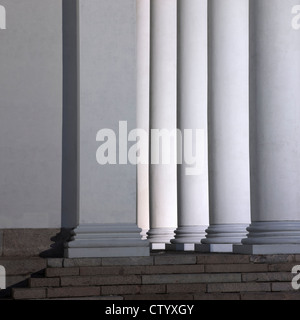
(57, 247)
(70, 119)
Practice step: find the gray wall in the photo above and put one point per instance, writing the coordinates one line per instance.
(39, 106)
(107, 96)
(31, 114)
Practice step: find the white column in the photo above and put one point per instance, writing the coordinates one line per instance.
(192, 116)
(163, 190)
(275, 134)
(229, 185)
(143, 99)
(107, 95)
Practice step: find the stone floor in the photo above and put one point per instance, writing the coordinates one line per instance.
(162, 276)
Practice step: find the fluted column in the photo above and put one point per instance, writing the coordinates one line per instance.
(163, 197)
(143, 99)
(275, 130)
(192, 121)
(228, 118)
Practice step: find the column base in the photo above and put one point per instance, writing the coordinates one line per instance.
(271, 237)
(106, 240)
(189, 234)
(159, 237)
(273, 232)
(214, 248)
(267, 249)
(144, 234)
(186, 237)
(225, 234)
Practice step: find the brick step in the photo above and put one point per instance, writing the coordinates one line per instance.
(174, 259)
(70, 281)
(161, 292)
(195, 286)
(163, 277)
(170, 269)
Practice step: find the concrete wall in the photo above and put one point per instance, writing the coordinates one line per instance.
(31, 114)
(107, 96)
(40, 99)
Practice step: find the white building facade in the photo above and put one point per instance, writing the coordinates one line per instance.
(78, 77)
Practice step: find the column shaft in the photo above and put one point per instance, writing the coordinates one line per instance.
(143, 99)
(107, 95)
(229, 185)
(163, 197)
(192, 116)
(275, 130)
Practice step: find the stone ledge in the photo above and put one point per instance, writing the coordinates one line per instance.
(22, 266)
(33, 242)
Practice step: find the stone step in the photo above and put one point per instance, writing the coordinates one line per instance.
(174, 259)
(94, 293)
(128, 287)
(261, 269)
(160, 277)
